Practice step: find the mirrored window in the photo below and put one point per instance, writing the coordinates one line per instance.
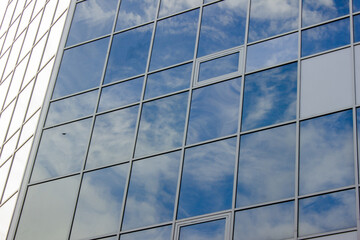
(266, 166)
(174, 40)
(356, 5)
(162, 125)
(214, 230)
(159, 233)
(152, 190)
(342, 236)
(272, 52)
(135, 12)
(222, 26)
(321, 38)
(168, 7)
(327, 213)
(113, 138)
(318, 11)
(326, 150)
(208, 171)
(92, 18)
(48, 219)
(6, 213)
(62, 150)
(357, 28)
(4, 171)
(269, 222)
(357, 73)
(81, 68)
(270, 97)
(100, 201)
(268, 19)
(128, 54)
(214, 111)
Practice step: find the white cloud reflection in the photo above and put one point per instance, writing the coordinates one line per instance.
(168, 7)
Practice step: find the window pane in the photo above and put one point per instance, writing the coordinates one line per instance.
(342, 236)
(129, 53)
(6, 213)
(100, 201)
(160, 233)
(174, 40)
(268, 19)
(357, 28)
(168, 7)
(113, 138)
(167, 81)
(214, 230)
(92, 18)
(222, 26)
(356, 5)
(265, 223)
(162, 125)
(81, 68)
(207, 180)
(357, 73)
(272, 52)
(62, 150)
(266, 166)
(214, 111)
(152, 190)
(218, 67)
(326, 150)
(327, 213)
(322, 38)
(270, 97)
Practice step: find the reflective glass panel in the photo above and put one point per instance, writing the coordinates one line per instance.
(168, 7)
(357, 73)
(162, 124)
(222, 26)
(218, 67)
(327, 213)
(100, 201)
(113, 138)
(265, 223)
(48, 219)
(214, 111)
(167, 81)
(208, 171)
(129, 53)
(6, 213)
(357, 28)
(270, 97)
(92, 18)
(161, 233)
(356, 5)
(342, 236)
(214, 230)
(62, 150)
(4, 171)
(322, 38)
(121, 94)
(135, 12)
(268, 18)
(266, 166)
(174, 40)
(81, 68)
(71, 108)
(326, 150)
(272, 52)
(152, 190)
(318, 11)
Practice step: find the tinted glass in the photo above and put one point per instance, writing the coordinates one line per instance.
(162, 125)
(174, 40)
(128, 54)
(268, 19)
(342, 236)
(222, 26)
(322, 38)
(219, 66)
(266, 223)
(121, 94)
(81, 68)
(357, 28)
(214, 230)
(266, 166)
(167, 81)
(160, 233)
(92, 18)
(151, 194)
(326, 150)
(272, 52)
(135, 12)
(208, 171)
(100, 201)
(319, 11)
(356, 5)
(113, 138)
(214, 111)
(357, 73)
(168, 7)
(62, 150)
(71, 108)
(270, 97)
(327, 213)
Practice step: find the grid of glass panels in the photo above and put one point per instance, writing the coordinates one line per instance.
(137, 149)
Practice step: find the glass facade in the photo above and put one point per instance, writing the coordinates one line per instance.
(196, 119)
